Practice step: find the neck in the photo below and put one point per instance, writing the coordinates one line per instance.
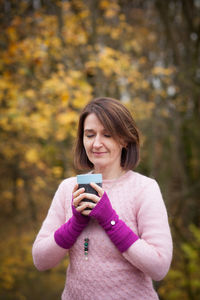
(110, 174)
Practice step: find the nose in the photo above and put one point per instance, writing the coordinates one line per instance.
(97, 142)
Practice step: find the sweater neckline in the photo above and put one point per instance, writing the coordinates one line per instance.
(122, 178)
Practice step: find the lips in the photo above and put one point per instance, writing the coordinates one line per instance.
(98, 153)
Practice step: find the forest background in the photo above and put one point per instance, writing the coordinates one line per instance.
(55, 56)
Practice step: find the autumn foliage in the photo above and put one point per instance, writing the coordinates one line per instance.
(55, 56)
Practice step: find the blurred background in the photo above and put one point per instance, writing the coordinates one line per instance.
(55, 56)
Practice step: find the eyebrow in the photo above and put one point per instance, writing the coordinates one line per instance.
(92, 130)
(88, 130)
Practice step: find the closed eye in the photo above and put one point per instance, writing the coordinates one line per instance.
(89, 135)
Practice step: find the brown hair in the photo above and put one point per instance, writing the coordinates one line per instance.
(118, 121)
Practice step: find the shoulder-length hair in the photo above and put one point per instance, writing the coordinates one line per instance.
(118, 122)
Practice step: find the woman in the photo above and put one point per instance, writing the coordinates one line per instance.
(124, 230)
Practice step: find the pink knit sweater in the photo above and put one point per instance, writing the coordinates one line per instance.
(108, 274)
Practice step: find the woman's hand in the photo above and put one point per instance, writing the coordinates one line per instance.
(79, 195)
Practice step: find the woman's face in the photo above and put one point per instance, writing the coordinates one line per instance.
(102, 150)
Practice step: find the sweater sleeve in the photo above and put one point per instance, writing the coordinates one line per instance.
(46, 253)
(152, 253)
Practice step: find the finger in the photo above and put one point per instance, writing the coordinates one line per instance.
(84, 206)
(99, 190)
(77, 200)
(91, 197)
(86, 212)
(78, 192)
(75, 188)
(80, 197)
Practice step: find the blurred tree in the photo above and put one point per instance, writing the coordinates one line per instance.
(183, 281)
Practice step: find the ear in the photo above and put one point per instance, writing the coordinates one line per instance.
(124, 144)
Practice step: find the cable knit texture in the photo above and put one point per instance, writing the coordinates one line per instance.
(119, 233)
(108, 273)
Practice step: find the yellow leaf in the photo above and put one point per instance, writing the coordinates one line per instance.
(57, 171)
(162, 71)
(30, 93)
(65, 97)
(20, 182)
(32, 156)
(11, 31)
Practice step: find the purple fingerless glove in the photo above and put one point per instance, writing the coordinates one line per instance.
(66, 235)
(119, 233)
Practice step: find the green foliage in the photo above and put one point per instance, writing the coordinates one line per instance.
(183, 280)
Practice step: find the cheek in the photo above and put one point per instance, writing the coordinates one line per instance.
(118, 148)
(86, 145)
(119, 152)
